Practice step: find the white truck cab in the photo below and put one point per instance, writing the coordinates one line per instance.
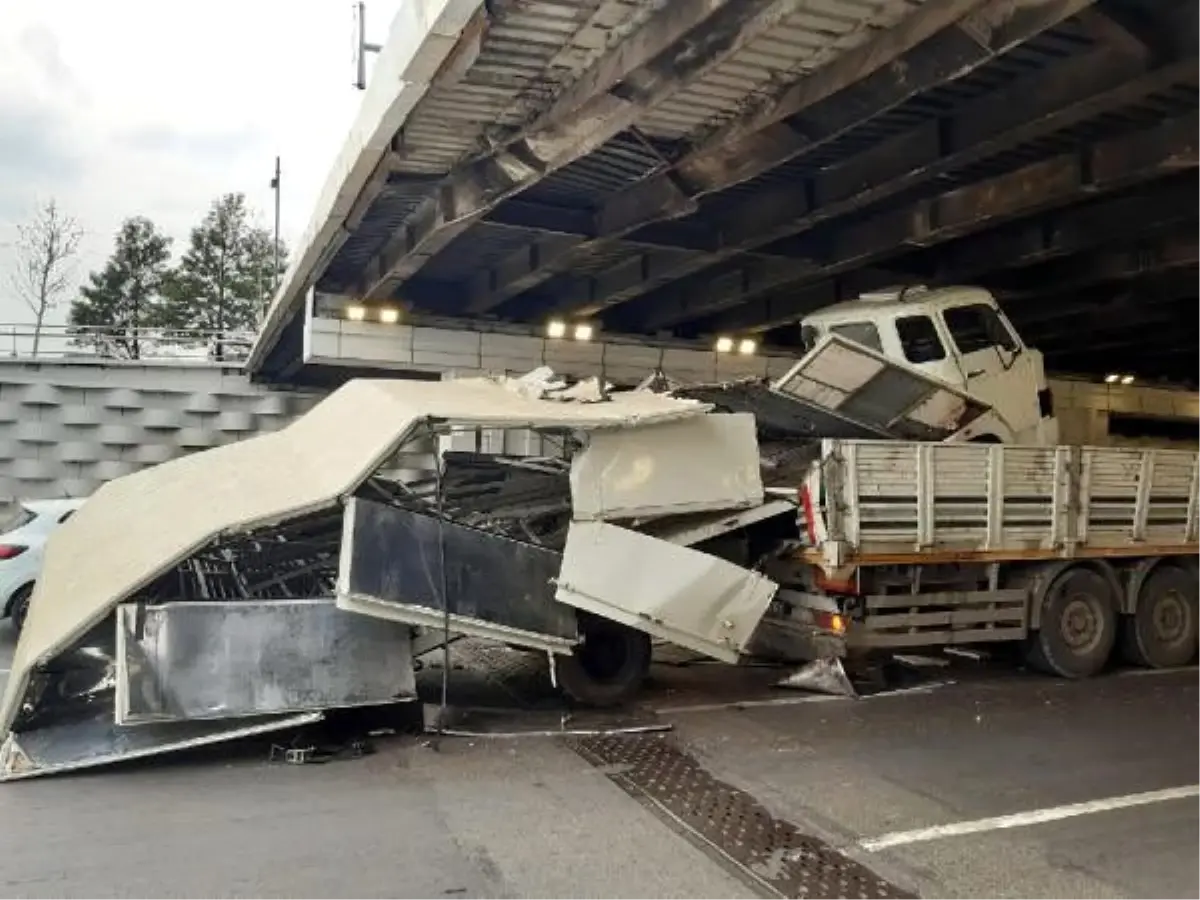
(959, 335)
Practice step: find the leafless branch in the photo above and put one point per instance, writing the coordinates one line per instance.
(46, 248)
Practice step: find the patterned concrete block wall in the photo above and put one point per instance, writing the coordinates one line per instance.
(66, 427)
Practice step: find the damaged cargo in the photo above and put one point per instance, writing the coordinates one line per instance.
(841, 510)
(258, 585)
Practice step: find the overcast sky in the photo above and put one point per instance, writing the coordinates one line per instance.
(155, 107)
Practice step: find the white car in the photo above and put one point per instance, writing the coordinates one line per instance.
(24, 529)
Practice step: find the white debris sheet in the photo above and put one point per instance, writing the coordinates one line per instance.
(702, 464)
(671, 592)
(135, 528)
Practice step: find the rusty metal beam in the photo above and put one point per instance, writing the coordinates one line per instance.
(1105, 166)
(1147, 257)
(1153, 337)
(539, 217)
(679, 43)
(1077, 91)
(921, 52)
(944, 40)
(1069, 231)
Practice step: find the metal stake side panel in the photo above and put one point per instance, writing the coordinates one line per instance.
(898, 501)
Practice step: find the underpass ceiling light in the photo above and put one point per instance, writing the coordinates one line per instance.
(1118, 378)
(583, 332)
(1126, 379)
(747, 346)
(724, 344)
(556, 329)
(389, 315)
(1111, 379)
(356, 313)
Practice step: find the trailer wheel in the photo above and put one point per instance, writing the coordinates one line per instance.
(1078, 626)
(608, 666)
(1162, 632)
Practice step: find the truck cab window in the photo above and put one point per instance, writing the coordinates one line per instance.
(919, 339)
(977, 327)
(864, 333)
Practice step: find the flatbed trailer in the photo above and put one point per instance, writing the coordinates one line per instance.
(1074, 551)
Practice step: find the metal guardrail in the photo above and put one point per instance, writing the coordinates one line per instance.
(67, 342)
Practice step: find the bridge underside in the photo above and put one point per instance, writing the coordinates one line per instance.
(695, 168)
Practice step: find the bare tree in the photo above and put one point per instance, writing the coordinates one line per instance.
(46, 247)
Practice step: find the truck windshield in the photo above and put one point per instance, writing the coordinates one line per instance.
(977, 327)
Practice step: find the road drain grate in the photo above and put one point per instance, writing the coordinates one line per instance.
(790, 863)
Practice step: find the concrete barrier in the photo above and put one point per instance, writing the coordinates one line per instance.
(66, 426)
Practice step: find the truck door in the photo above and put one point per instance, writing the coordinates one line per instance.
(922, 346)
(993, 365)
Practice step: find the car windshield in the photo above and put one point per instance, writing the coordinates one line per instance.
(13, 517)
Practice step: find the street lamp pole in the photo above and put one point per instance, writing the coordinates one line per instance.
(275, 188)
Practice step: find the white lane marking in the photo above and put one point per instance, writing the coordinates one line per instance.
(1032, 817)
(5, 671)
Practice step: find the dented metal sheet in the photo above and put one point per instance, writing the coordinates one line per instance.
(399, 565)
(668, 591)
(863, 386)
(697, 465)
(98, 741)
(136, 528)
(190, 661)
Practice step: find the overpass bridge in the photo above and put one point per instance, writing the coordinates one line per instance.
(656, 174)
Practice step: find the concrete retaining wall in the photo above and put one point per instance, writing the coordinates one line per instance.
(68, 426)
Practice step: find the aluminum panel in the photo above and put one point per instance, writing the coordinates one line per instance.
(697, 465)
(137, 527)
(98, 742)
(668, 591)
(190, 661)
(886, 397)
(430, 573)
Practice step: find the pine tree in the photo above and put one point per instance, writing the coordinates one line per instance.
(225, 277)
(126, 295)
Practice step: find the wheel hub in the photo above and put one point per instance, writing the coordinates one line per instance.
(1081, 625)
(1170, 617)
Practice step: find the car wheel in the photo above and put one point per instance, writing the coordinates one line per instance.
(18, 609)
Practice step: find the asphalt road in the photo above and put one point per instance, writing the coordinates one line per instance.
(529, 817)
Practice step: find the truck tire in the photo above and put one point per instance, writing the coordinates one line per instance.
(608, 666)
(1162, 632)
(1078, 626)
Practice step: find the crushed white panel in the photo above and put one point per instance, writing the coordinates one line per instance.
(137, 527)
(864, 386)
(695, 465)
(668, 591)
